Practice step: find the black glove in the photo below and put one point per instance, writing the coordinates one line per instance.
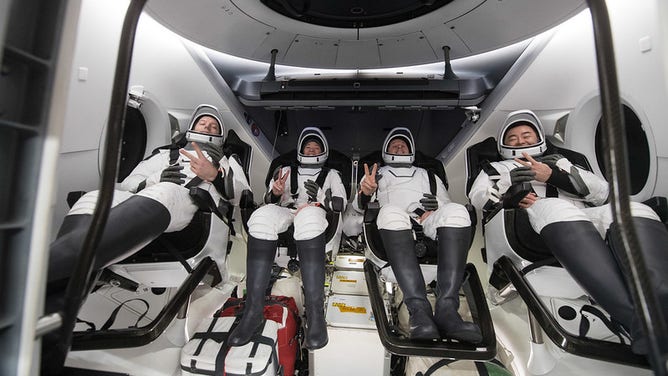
(311, 190)
(429, 202)
(521, 174)
(334, 203)
(551, 160)
(173, 174)
(215, 152)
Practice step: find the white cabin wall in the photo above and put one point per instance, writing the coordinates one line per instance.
(88, 100)
(161, 64)
(662, 53)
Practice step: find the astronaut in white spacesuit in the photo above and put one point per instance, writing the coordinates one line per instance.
(405, 193)
(155, 197)
(298, 195)
(567, 207)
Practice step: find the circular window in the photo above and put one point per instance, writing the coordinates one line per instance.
(637, 147)
(354, 13)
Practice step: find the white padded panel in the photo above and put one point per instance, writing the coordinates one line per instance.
(408, 49)
(309, 51)
(358, 53)
(249, 29)
(277, 39)
(498, 23)
(442, 35)
(215, 24)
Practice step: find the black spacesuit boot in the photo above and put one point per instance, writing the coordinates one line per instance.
(312, 265)
(259, 260)
(653, 239)
(399, 247)
(453, 248)
(583, 253)
(131, 224)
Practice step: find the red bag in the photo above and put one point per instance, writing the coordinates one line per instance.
(283, 310)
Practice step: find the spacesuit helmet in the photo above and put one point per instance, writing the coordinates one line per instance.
(397, 160)
(515, 119)
(312, 134)
(200, 137)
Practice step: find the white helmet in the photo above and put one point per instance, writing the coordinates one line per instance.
(206, 110)
(395, 159)
(522, 117)
(307, 135)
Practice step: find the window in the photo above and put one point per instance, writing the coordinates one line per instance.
(638, 150)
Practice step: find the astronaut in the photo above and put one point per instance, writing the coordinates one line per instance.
(154, 198)
(405, 193)
(567, 207)
(298, 195)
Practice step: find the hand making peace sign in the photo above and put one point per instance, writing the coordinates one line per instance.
(369, 184)
(279, 183)
(201, 166)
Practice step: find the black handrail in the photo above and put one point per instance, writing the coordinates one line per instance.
(616, 157)
(77, 287)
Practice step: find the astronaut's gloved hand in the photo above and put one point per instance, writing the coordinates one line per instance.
(521, 174)
(334, 203)
(173, 174)
(311, 190)
(429, 202)
(551, 160)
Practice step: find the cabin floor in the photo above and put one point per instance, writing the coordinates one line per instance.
(354, 348)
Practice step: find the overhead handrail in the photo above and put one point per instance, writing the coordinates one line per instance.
(616, 158)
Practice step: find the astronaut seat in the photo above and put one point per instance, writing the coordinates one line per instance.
(381, 282)
(520, 263)
(180, 259)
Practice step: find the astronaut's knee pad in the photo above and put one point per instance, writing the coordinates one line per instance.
(262, 223)
(393, 218)
(86, 203)
(451, 215)
(310, 221)
(176, 199)
(551, 210)
(643, 211)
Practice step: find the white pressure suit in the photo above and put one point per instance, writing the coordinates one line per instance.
(144, 207)
(563, 206)
(405, 191)
(399, 193)
(176, 198)
(309, 221)
(306, 196)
